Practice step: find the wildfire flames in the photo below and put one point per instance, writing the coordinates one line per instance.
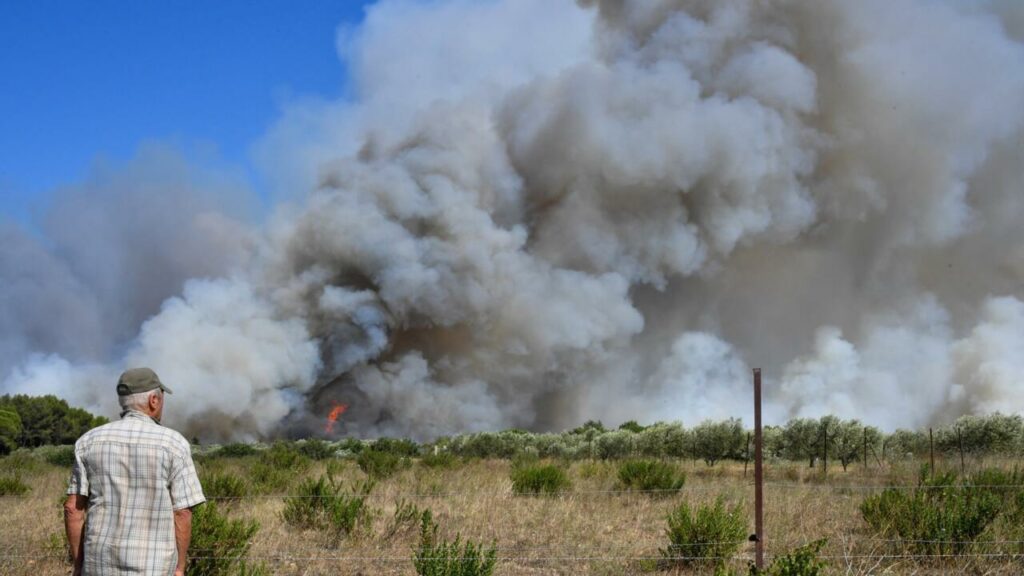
(332, 418)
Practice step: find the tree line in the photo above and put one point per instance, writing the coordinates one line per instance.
(843, 442)
(32, 421)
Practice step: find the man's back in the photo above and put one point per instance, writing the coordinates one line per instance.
(135, 473)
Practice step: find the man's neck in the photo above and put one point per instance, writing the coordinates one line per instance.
(135, 412)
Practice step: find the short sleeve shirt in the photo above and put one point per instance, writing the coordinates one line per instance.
(135, 473)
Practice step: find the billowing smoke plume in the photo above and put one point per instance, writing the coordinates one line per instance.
(536, 212)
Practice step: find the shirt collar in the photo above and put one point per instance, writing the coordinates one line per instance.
(132, 413)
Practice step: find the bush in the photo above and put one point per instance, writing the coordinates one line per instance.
(316, 449)
(236, 450)
(650, 475)
(219, 543)
(406, 516)
(435, 557)
(439, 460)
(323, 505)
(380, 465)
(62, 456)
(22, 463)
(539, 479)
(223, 486)
(12, 486)
(709, 536)
(285, 456)
(267, 479)
(803, 561)
(351, 446)
(939, 517)
(397, 446)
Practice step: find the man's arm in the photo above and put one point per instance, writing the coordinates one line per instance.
(182, 537)
(74, 520)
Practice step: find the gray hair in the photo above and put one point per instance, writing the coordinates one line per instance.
(137, 401)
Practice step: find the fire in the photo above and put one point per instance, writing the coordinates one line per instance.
(332, 418)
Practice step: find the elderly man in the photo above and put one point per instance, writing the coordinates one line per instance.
(132, 489)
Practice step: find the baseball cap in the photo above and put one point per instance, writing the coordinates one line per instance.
(138, 380)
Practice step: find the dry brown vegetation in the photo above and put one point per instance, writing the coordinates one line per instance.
(594, 529)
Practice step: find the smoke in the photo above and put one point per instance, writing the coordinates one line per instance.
(532, 213)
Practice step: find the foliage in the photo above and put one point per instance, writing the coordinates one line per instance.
(223, 486)
(847, 440)
(539, 479)
(315, 449)
(46, 420)
(714, 441)
(801, 440)
(265, 478)
(663, 440)
(590, 427)
(351, 446)
(60, 456)
(285, 456)
(380, 465)
(437, 557)
(398, 446)
(236, 450)
(631, 426)
(13, 486)
(323, 505)
(219, 543)
(711, 535)
(650, 475)
(439, 460)
(938, 517)
(406, 515)
(903, 444)
(993, 434)
(21, 462)
(615, 444)
(10, 430)
(802, 561)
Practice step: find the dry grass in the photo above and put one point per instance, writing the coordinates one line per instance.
(592, 530)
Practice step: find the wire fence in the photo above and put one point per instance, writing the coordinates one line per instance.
(508, 492)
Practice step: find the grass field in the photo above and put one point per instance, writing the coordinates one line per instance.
(594, 528)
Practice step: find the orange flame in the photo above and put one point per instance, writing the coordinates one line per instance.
(332, 418)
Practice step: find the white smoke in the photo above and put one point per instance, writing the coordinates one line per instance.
(536, 212)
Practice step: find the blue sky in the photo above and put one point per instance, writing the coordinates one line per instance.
(85, 79)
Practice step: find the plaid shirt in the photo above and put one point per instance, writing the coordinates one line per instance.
(134, 472)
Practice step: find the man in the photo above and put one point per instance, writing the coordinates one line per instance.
(132, 489)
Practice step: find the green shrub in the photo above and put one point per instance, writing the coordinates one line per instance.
(436, 557)
(223, 486)
(407, 515)
(62, 456)
(236, 450)
(316, 449)
(397, 446)
(323, 505)
(653, 476)
(938, 517)
(439, 460)
(285, 456)
(351, 446)
(709, 536)
(12, 486)
(268, 479)
(539, 479)
(21, 462)
(380, 465)
(219, 543)
(802, 561)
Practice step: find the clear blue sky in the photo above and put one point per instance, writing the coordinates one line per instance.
(81, 79)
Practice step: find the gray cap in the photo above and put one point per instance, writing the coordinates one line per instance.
(139, 380)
